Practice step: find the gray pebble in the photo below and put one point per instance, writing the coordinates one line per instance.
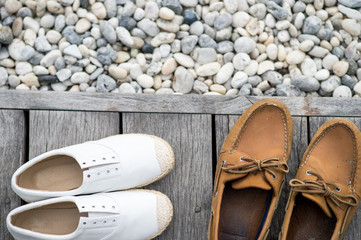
(6, 35)
(206, 55)
(59, 63)
(173, 5)
(304, 83)
(270, 92)
(206, 42)
(258, 10)
(46, 79)
(35, 60)
(351, 3)
(196, 28)
(3, 76)
(245, 90)
(4, 53)
(127, 22)
(108, 32)
(183, 81)
(352, 67)
(71, 36)
(254, 80)
(283, 90)
(188, 43)
(96, 73)
(349, 81)
(330, 85)
(24, 12)
(313, 38)
(274, 78)
(42, 44)
(27, 53)
(278, 12)
(342, 91)
(149, 27)
(223, 21)
(59, 23)
(106, 55)
(324, 34)
(225, 47)
(105, 83)
(299, 7)
(101, 42)
(111, 7)
(338, 52)
(311, 25)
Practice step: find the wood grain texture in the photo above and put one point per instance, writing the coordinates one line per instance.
(223, 125)
(190, 103)
(12, 153)
(189, 185)
(50, 130)
(353, 231)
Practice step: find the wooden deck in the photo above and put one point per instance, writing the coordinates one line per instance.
(32, 123)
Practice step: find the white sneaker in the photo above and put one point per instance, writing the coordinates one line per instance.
(114, 163)
(128, 215)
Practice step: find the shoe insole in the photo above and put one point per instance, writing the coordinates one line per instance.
(57, 219)
(308, 221)
(242, 213)
(59, 173)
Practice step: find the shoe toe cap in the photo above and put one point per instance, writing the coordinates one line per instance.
(164, 211)
(164, 154)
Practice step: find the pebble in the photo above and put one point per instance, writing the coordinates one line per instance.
(329, 60)
(350, 3)
(225, 73)
(183, 80)
(265, 66)
(126, 88)
(351, 26)
(241, 60)
(322, 74)
(277, 11)
(162, 38)
(330, 85)
(30, 23)
(340, 68)
(205, 41)
(208, 69)
(239, 79)
(124, 36)
(6, 35)
(148, 27)
(40, 70)
(15, 49)
(99, 10)
(244, 44)
(30, 80)
(73, 51)
(350, 13)
(311, 25)
(63, 74)
(111, 8)
(53, 36)
(184, 60)
(3, 76)
(304, 83)
(217, 88)
(80, 77)
(117, 72)
(23, 68)
(105, 83)
(222, 21)
(188, 43)
(342, 91)
(295, 57)
(240, 19)
(12, 6)
(308, 67)
(167, 14)
(258, 10)
(306, 45)
(106, 55)
(206, 55)
(272, 51)
(274, 78)
(47, 21)
(50, 58)
(189, 17)
(145, 81)
(82, 25)
(349, 81)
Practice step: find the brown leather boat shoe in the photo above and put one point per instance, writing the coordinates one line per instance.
(250, 173)
(326, 191)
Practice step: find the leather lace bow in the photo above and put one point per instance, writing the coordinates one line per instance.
(319, 186)
(252, 165)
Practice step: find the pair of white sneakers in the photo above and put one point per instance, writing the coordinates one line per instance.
(64, 176)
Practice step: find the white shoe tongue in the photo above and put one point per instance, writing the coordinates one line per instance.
(252, 181)
(320, 200)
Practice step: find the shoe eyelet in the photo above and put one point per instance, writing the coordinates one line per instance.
(84, 163)
(216, 193)
(240, 159)
(114, 220)
(338, 189)
(93, 206)
(212, 213)
(116, 169)
(94, 160)
(113, 206)
(103, 206)
(113, 157)
(88, 176)
(223, 162)
(82, 206)
(104, 222)
(308, 172)
(108, 171)
(94, 223)
(104, 158)
(274, 177)
(84, 223)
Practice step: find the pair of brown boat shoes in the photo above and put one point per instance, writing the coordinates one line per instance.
(250, 173)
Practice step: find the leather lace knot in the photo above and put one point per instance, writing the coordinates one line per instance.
(248, 165)
(319, 186)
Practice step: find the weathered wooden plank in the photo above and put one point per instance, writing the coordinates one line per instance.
(12, 153)
(190, 103)
(50, 130)
(223, 125)
(353, 231)
(189, 185)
